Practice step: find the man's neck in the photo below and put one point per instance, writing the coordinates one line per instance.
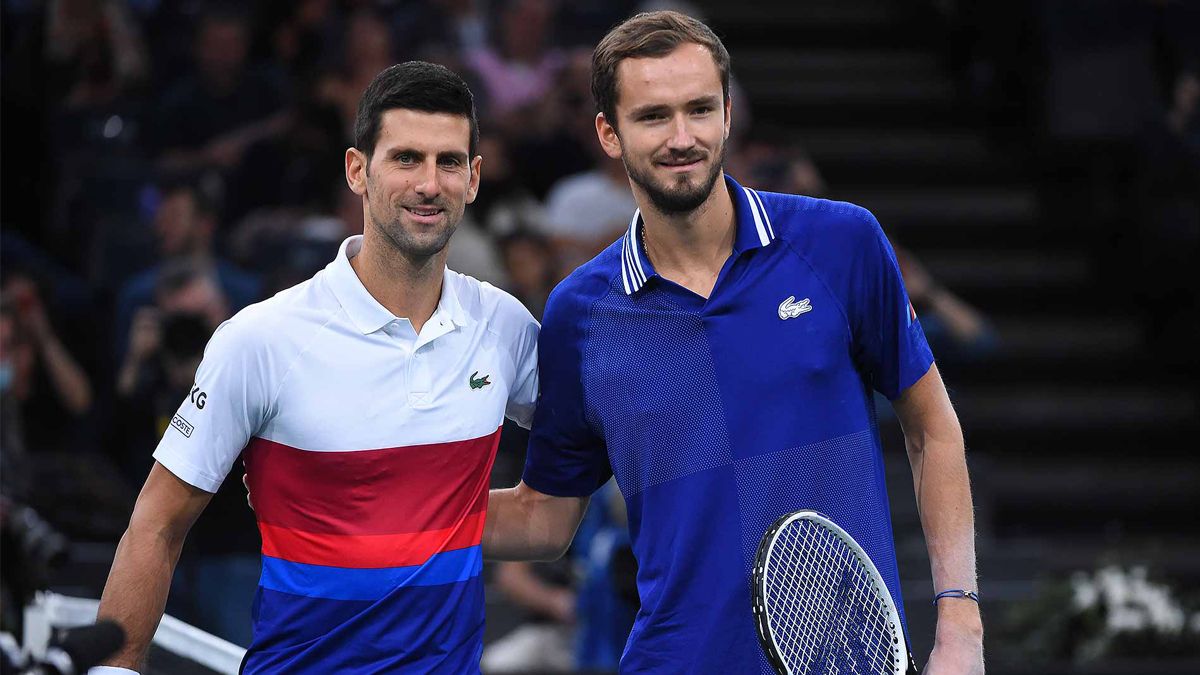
(690, 248)
(407, 288)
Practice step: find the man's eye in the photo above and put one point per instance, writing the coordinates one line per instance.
(404, 158)
(450, 162)
(702, 110)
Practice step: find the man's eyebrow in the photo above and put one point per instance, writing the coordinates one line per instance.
(408, 151)
(661, 107)
(647, 109)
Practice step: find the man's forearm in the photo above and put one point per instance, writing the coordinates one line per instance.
(523, 524)
(135, 594)
(937, 453)
(944, 499)
(947, 516)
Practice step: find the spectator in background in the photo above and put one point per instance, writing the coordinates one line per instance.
(557, 138)
(953, 327)
(440, 31)
(586, 211)
(367, 50)
(519, 66)
(544, 642)
(210, 119)
(532, 268)
(185, 225)
(48, 439)
(45, 392)
(297, 33)
(183, 287)
(94, 51)
(773, 165)
(503, 206)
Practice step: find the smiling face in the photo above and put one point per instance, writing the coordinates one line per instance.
(418, 180)
(673, 121)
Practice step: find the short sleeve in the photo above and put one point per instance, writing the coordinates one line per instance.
(566, 457)
(889, 343)
(226, 406)
(522, 397)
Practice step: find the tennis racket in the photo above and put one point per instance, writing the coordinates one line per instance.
(821, 606)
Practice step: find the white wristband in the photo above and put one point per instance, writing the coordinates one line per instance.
(111, 670)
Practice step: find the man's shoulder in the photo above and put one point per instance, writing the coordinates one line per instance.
(590, 281)
(796, 216)
(821, 229)
(484, 302)
(285, 318)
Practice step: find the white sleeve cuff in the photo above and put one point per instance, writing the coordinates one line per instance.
(111, 670)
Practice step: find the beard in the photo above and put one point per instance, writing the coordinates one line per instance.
(680, 195)
(415, 242)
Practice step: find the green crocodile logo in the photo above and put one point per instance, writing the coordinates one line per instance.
(479, 382)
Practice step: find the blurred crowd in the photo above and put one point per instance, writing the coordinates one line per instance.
(167, 163)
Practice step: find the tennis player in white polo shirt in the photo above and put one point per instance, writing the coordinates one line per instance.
(366, 403)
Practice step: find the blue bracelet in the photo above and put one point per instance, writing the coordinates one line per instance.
(956, 593)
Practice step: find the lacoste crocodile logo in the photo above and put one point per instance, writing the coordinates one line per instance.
(790, 309)
(479, 382)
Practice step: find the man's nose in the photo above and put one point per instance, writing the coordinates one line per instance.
(681, 135)
(427, 182)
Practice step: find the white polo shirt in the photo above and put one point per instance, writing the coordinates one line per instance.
(368, 449)
(323, 366)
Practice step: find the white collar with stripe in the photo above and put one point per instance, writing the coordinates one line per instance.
(753, 230)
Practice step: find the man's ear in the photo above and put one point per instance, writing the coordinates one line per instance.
(728, 115)
(356, 171)
(610, 140)
(473, 183)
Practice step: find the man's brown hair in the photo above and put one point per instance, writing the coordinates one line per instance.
(649, 34)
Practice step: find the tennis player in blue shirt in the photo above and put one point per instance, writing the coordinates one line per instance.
(719, 361)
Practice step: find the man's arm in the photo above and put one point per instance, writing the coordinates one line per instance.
(524, 524)
(136, 591)
(936, 451)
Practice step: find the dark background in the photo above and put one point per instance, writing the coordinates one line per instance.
(1036, 162)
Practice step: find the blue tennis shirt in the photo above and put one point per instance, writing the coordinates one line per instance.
(718, 416)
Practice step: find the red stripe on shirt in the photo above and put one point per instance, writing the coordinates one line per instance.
(416, 488)
(369, 550)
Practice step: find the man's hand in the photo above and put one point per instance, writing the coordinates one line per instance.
(958, 645)
(246, 482)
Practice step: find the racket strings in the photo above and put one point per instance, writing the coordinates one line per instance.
(826, 614)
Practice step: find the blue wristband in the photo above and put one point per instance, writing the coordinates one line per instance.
(956, 593)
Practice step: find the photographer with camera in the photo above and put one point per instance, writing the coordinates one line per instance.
(166, 343)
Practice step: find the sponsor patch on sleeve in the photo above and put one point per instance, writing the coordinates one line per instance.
(182, 426)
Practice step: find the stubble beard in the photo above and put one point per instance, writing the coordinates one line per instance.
(417, 248)
(680, 198)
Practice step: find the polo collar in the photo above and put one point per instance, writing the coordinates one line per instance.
(364, 310)
(753, 230)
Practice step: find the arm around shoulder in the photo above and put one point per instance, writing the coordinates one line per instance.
(525, 524)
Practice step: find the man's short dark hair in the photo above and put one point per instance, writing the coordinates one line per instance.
(413, 85)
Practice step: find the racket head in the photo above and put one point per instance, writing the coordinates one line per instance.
(808, 525)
